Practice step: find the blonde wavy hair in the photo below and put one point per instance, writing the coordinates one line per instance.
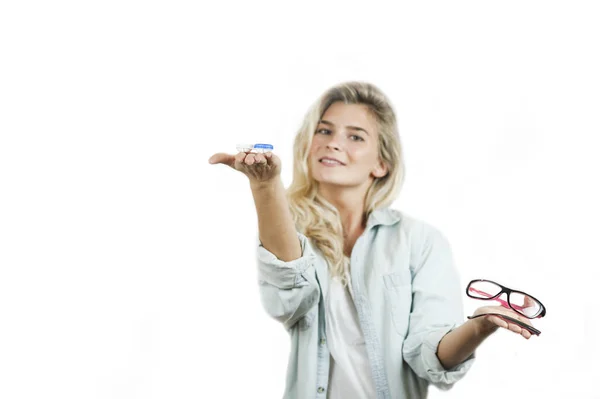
(313, 215)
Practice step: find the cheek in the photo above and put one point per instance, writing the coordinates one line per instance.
(360, 155)
(316, 140)
(314, 146)
(363, 157)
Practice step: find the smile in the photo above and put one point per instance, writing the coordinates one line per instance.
(330, 162)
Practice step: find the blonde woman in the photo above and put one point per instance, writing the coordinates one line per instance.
(369, 295)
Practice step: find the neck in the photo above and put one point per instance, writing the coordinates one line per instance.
(350, 203)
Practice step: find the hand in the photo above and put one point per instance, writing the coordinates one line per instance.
(490, 323)
(259, 168)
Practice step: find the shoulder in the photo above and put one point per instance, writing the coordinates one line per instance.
(425, 242)
(408, 225)
(412, 234)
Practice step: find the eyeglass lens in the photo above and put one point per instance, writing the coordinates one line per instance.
(519, 301)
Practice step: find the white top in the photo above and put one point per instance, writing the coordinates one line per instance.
(349, 369)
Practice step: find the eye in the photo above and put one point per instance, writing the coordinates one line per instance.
(354, 137)
(324, 131)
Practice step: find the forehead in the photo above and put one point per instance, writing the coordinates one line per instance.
(342, 114)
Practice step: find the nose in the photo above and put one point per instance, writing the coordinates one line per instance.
(333, 144)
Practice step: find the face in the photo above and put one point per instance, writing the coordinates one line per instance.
(347, 133)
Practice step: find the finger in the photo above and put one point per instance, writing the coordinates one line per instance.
(250, 159)
(260, 159)
(223, 158)
(516, 316)
(521, 318)
(498, 321)
(527, 321)
(526, 334)
(514, 328)
(240, 156)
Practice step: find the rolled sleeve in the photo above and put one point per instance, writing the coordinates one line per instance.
(282, 274)
(428, 365)
(437, 310)
(289, 290)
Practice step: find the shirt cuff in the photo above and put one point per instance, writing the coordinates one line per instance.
(442, 378)
(282, 274)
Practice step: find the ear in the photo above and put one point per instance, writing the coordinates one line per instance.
(380, 170)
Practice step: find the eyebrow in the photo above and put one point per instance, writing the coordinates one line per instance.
(323, 121)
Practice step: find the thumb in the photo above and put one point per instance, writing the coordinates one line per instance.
(223, 158)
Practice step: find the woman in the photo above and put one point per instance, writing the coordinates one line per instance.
(369, 295)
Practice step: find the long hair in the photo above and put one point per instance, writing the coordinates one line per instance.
(313, 215)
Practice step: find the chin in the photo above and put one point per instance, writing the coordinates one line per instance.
(332, 181)
(333, 176)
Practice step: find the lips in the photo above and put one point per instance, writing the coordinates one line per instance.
(331, 159)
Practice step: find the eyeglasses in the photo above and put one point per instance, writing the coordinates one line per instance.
(522, 303)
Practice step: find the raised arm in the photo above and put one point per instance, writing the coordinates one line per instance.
(276, 229)
(288, 286)
(277, 232)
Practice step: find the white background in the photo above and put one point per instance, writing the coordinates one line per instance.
(127, 262)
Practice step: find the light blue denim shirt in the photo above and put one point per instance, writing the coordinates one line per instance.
(407, 295)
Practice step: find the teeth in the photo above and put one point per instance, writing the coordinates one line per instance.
(329, 161)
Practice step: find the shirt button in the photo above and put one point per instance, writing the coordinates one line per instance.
(321, 390)
(322, 342)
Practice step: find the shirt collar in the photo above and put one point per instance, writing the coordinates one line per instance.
(385, 216)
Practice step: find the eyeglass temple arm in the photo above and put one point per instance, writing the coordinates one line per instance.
(509, 319)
